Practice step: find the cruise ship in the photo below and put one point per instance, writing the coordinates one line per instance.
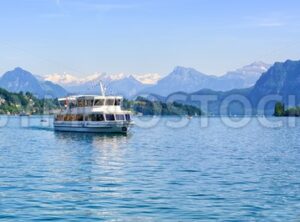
(92, 113)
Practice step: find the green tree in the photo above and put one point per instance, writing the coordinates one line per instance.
(279, 109)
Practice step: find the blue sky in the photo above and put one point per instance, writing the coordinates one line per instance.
(136, 37)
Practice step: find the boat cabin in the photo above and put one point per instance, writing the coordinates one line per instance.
(92, 109)
(95, 117)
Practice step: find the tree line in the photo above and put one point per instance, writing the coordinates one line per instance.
(280, 110)
(16, 103)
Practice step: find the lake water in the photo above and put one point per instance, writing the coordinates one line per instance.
(161, 173)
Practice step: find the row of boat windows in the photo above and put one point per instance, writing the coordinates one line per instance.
(93, 117)
(91, 102)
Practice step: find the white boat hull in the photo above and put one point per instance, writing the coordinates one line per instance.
(105, 127)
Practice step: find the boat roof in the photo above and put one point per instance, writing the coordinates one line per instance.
(89, 97)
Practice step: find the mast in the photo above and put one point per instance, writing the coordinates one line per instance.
(102, 90)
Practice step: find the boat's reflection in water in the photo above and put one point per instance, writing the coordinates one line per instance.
(103, 151)
(99, 140)
(97, 163)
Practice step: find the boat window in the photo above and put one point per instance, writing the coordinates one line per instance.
(88, 103)
(100, 117)
(110, 117)
(72, 105)
(67, 117)
(109, 102)
(80, 102)
(99, 102)
(96, 117)
(118, 102)
(62, 103)
(79, 117)
(120, 117)
(127, 117)
(89, 117)
(59, 118)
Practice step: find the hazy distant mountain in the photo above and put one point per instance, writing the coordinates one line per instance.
(128, 87)
(181, 79)
(19, 80)
(190, 80)
(244, 77)
(54, 90)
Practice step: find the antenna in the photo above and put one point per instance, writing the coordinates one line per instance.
(102, 90)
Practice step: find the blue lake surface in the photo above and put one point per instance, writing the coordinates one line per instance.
(215, 173)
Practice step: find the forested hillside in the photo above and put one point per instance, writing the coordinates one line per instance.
(16, 103)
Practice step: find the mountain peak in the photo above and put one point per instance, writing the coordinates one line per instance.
(259, 63)
(18, 69)
(290, 62)
(257, 66)
(182, 69)
(127, 78)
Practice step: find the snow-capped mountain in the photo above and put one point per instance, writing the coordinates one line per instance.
(149, 78)
(122, 84)
(67, 79)
(244, 77)
(19, 80)
(62, 79)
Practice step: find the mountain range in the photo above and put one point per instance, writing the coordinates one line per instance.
(281, 81)
(190, 80)
(180, 79)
